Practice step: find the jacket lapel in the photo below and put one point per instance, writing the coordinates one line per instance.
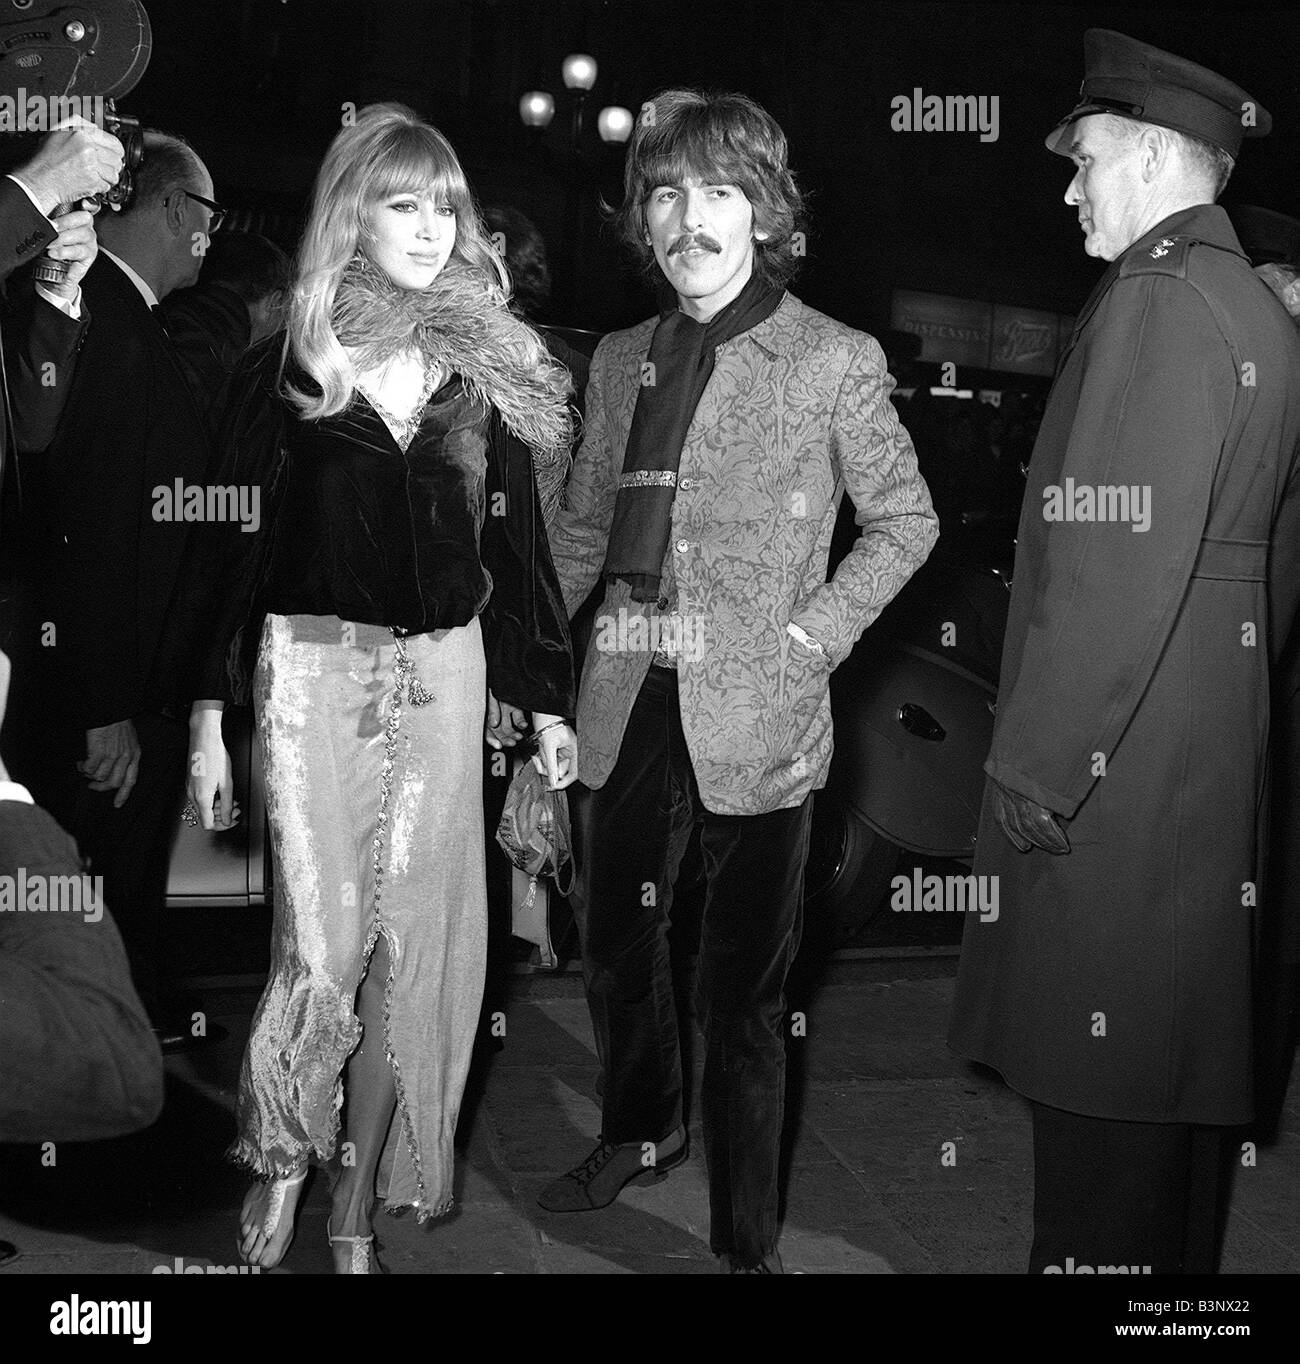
(739, 363)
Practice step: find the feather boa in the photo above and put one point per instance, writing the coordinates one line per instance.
(464, 324)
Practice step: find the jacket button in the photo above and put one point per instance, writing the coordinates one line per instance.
(683, 546)
(662, 603)
(685, 483)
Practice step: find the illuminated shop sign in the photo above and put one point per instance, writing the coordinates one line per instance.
(964, 331)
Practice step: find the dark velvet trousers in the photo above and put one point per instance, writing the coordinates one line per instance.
(633, 834)
(1124, 1193)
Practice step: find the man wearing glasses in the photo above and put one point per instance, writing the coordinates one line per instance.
(104, 553)
(216, 214)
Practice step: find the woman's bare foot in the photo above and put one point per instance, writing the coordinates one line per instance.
(266, 1221)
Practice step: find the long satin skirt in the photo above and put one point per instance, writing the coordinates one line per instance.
(376, 816)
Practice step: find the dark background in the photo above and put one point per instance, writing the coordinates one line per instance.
(259, 86)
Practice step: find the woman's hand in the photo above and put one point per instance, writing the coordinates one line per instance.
(557, 751)
(211, 785)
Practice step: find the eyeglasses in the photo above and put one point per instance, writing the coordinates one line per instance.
(218, 213)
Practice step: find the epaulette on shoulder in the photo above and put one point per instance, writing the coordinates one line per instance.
(1168, 256)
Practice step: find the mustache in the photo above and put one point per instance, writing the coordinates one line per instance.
(699, 239)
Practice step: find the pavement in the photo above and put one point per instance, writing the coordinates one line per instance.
(902, 1158)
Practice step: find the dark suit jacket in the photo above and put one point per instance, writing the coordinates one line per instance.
(107, 562)
(24, 231)
(79, 1059)
(210, 328)
(40, 344)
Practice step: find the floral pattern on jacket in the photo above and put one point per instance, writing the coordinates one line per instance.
(797, 409)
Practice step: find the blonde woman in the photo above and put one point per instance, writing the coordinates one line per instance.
(398, 434)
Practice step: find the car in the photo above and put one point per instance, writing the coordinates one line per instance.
(913, 707)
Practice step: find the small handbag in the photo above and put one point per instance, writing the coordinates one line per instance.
(534, 831)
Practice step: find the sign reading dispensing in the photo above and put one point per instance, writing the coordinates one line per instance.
(964, 331)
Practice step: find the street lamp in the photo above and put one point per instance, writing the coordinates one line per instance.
(579, 71)
(536, 109)
(614, 123)
(580, 170)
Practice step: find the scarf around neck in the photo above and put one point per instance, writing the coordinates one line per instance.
(681, 359)
(461, 323)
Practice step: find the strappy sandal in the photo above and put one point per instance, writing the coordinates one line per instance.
(279, 1187)
(362, 1254)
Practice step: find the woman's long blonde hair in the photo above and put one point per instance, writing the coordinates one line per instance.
(387, 151)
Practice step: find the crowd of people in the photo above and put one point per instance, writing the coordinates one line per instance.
(402, 512)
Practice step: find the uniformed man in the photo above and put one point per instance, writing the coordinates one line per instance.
(1128, 760)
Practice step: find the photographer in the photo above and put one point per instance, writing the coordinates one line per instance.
(43, 328)
(47, 323)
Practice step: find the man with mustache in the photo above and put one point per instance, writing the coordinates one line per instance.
(720, 437)
(1122, 816)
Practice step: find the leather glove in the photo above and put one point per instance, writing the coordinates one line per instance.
(1026, 823)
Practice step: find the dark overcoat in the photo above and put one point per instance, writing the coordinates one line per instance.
(1115, 980)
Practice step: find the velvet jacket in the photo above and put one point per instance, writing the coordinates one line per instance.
(350, 525)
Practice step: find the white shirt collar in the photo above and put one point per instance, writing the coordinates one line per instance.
(12, 790)
(145, 291)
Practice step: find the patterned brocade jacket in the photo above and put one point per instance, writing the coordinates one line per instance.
(796, 412)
